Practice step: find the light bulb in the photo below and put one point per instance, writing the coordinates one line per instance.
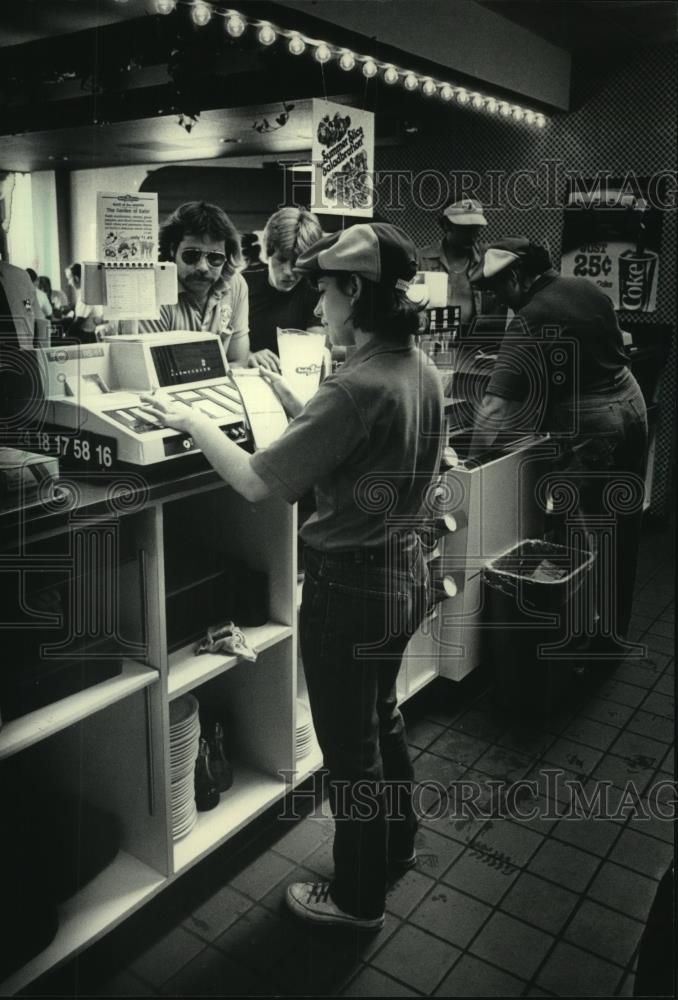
(539, 121)
(529, 117)
(235, 25)
(449, 585)
(165, 6)
(429, 88)
(518, 114)
(462, 96)
(411, 82)
(446, 92)
(390, 75)
(477, 102)
(201, 13)
(491, 105)
(504, 109)
(323, 53)
(369, 68)
(297, 45)
(347, 61)
(267, 34)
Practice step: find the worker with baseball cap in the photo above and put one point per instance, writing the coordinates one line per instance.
(562, 368)
(457, 253)
(369, 443)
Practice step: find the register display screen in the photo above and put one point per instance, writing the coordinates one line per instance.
(177, 364)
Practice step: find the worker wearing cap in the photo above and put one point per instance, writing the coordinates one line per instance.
(562, 368)
(457, 254)
(369, 443)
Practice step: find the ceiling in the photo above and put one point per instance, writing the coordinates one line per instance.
(29, 20)
(586, 26)
(229, 132)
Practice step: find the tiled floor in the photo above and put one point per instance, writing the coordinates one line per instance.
(497, 906)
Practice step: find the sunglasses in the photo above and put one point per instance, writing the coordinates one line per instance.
(192, 256)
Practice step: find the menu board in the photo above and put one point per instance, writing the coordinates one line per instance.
(612, 237)
(127, 227)
(343, 159)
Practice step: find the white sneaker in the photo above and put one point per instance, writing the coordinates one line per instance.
(311, 901)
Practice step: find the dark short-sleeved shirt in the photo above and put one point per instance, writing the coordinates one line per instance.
(369, 442)
(270, 309)
(579, 344)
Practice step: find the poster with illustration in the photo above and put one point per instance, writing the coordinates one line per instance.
(127, 227)
(612, 237)
(343, 159)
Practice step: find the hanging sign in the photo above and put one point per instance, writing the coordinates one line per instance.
(343, 159)
(127, 227)
(611, 237)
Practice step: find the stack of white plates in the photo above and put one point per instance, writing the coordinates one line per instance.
(184, 743)
(304, 735)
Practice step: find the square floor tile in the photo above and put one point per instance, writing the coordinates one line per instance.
(481, 875)
(508, 840)
(472, 978)
(591, 732)
(594, 835)
(666, 685)
(652, 826)
(261, 875)
(260, 939)
(624, 694)
(605, 932)
(434, 774)
(416, 958)
(301, 839)
(320, 970)
(633, 672)
(660, 643)
(212, 917)
(470, 803)
(531, 741)
(460, 748)
(646, 751)
(609, 712)
(124, 984)
(623, 890)
(422, 732)
(275, 898)
(667, 629)
(657, 727)
(541, 903)
(565, 865)
(571, 972)
(166, 956)
(660, 704)
(572, 756)
(406, 892)
(211, 973)
(554, 785)
(642, 854)
(486, 726)
(503, 763)
(451, 915)
(372, 983)
(622, 770)
(435, 852)
(512, 944)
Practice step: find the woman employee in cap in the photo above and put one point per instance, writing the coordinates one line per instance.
(368, 441)
(562, 368)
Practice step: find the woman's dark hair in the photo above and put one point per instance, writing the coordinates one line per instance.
(200, 218)
(45, 285)
(535, 261)
(33, 275)
(382, 310)
(75, 271)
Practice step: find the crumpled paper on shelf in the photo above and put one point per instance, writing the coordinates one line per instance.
(226, 638)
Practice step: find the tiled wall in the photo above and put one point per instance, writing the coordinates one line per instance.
(625, 123)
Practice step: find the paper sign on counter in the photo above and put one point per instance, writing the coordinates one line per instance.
(130, 292)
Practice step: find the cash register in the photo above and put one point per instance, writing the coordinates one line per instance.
(94, 415)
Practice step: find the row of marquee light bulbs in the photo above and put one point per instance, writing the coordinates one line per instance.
(267, 34)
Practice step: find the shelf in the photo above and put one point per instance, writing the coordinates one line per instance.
(187, 671)
(251, 793)
(114, 894)
(309, 763)
(23, 732)
(192, 584)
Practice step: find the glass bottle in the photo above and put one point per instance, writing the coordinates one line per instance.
(206, 789)
(221, 767)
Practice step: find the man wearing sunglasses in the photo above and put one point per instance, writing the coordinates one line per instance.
(202, 241)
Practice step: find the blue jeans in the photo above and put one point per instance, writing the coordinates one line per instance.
(357, 615)
(605, 462)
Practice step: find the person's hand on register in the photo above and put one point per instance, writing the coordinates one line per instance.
(173, 413)
(265, 359)
(291, 404)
